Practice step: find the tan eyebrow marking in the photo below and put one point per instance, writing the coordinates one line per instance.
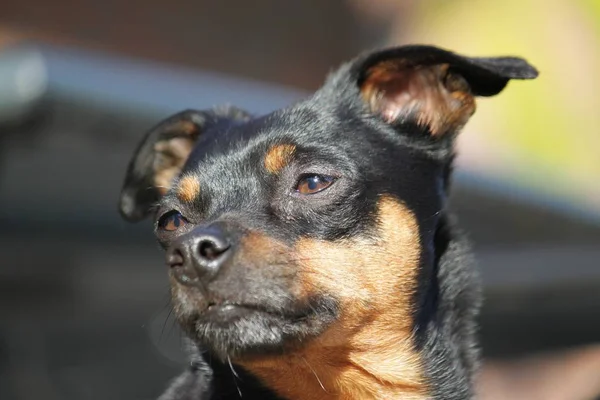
(189, 188)
(278, 157)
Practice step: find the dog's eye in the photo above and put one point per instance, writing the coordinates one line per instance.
(171, 221)
(311, 184)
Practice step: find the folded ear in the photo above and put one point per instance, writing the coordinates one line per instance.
(431, 87)
(162, 154)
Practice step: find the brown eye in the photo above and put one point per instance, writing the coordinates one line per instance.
(311, 184)
(171, 221)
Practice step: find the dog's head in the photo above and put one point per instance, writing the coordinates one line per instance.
(313, 223)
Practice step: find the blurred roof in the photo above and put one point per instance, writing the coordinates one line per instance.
(294, 42)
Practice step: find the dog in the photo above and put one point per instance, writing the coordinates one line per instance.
(310, 251)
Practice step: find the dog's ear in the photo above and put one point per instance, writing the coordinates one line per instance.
(162, 154)
(431, 87)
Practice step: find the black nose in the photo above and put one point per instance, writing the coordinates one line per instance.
(199, 254)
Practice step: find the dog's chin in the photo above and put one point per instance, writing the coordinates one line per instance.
(233, 332)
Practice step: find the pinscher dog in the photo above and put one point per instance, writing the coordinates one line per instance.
(310, 251)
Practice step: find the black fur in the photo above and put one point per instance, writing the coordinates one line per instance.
(334, 133)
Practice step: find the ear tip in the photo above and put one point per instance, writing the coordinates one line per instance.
(524, 70)
(533, 72)
(509, 67)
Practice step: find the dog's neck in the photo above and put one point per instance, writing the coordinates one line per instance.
(378, 362)
(446, 326)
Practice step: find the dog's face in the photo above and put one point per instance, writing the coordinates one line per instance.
(317, 220)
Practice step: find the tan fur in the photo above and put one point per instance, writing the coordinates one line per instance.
(432, 96)
(260, 250)
(188, 188)
(368, 353)
(171, 154)
(187, 127)
(278, 157)
(170, 158)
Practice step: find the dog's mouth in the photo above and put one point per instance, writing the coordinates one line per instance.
(238, 328)
(229, 311)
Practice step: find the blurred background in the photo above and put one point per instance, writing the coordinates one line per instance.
(83, 296)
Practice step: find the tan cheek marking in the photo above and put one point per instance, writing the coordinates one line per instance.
(374, 279)
(188, 189)
(278, 157)
(369, 352)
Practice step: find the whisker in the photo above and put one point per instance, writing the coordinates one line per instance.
(235, 376)
(162, 331)
(231, 367)
(315, 374)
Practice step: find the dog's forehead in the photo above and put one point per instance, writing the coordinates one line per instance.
(251, 140)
